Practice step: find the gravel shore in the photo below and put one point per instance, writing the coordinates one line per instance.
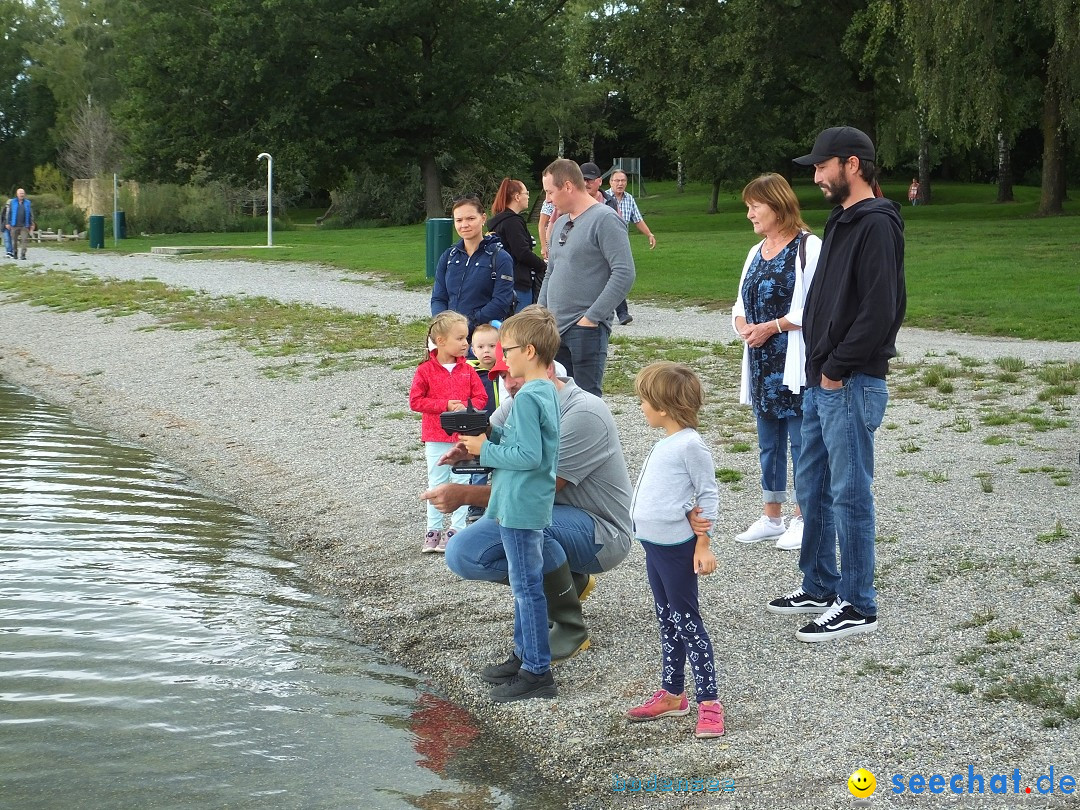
(977, 660)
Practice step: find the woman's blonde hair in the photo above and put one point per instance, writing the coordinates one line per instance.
(441, 324)
(673, 388)
(773, 190)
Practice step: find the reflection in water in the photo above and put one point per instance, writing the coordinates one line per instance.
(158, 651)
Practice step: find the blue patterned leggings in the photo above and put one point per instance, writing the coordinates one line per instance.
(682, 632)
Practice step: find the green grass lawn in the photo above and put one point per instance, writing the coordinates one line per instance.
(972, 265)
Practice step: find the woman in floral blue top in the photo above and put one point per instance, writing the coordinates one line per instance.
(768, 317)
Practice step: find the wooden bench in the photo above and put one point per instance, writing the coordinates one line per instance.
(38, 235)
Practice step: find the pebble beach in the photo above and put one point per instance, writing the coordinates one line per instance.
(975, 667)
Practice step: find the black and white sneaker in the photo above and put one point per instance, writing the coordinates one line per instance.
(838, 621)
(799, 601)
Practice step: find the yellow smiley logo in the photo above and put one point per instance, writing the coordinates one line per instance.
(862, 784)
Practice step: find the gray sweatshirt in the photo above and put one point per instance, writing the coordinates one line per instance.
(592, 272)
(678, 475)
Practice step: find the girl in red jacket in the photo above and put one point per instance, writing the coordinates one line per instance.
(444, 382)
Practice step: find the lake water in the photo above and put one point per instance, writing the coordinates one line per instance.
(157, 650)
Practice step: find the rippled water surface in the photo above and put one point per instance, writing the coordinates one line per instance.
(158, 651)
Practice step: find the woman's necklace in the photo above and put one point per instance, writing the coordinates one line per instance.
(773, 249)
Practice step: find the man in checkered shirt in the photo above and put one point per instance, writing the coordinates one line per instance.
(631, 215)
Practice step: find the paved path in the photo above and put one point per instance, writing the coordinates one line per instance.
(364, 293)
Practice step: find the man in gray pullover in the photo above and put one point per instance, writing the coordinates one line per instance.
(590, 271)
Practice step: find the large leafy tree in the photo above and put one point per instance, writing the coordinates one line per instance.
(216, 83)
(738, 87)
(327, 87)
(987, 68)
(76, 60)
(462, 79)
(27, 109)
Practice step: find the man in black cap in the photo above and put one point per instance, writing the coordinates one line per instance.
(594, 178)
(853, 311)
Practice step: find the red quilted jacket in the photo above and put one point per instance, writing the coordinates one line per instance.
(432, 389)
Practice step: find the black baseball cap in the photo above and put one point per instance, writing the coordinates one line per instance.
(841, 142)
(590, 171)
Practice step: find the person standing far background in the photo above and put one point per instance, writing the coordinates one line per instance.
(548, 215)
(5, 215)
(21, 223)
(628, 206)
(628, 210)
(913, 191)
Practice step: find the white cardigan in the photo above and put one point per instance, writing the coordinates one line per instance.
(795, 360)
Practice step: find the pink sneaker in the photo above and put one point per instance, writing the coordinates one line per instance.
(710, 719)
(661, 704)
(431, 542)
(441, 548)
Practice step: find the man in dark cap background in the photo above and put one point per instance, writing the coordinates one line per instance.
(594, 178)
(853, 311)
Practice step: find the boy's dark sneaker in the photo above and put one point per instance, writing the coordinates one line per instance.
(501, 673)
(525, 686)
(799, 601)
(838, 621)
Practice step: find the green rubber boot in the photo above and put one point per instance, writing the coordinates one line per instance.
(584, 583)
(567, 635)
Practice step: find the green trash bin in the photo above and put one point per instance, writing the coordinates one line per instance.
(97, 231)
(119, 225)
(440, 235)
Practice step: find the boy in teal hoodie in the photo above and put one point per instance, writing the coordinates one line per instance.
(523, 455)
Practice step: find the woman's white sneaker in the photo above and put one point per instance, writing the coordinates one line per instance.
(761, 529)
(791, 540)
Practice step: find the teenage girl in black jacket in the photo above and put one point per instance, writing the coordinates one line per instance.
(509, 224)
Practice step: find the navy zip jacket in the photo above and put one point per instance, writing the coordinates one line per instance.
(857, 299)
(480, 287)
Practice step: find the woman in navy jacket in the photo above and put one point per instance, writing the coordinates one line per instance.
(476, 276)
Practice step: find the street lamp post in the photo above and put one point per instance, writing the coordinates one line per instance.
(269, 197)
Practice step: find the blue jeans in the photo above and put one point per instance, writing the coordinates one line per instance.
(833, 480)
(584, 353)
(773, 437)
(524, 298)
(525, 559)
(477, 552)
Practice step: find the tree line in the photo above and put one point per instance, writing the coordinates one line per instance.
(413, 98)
